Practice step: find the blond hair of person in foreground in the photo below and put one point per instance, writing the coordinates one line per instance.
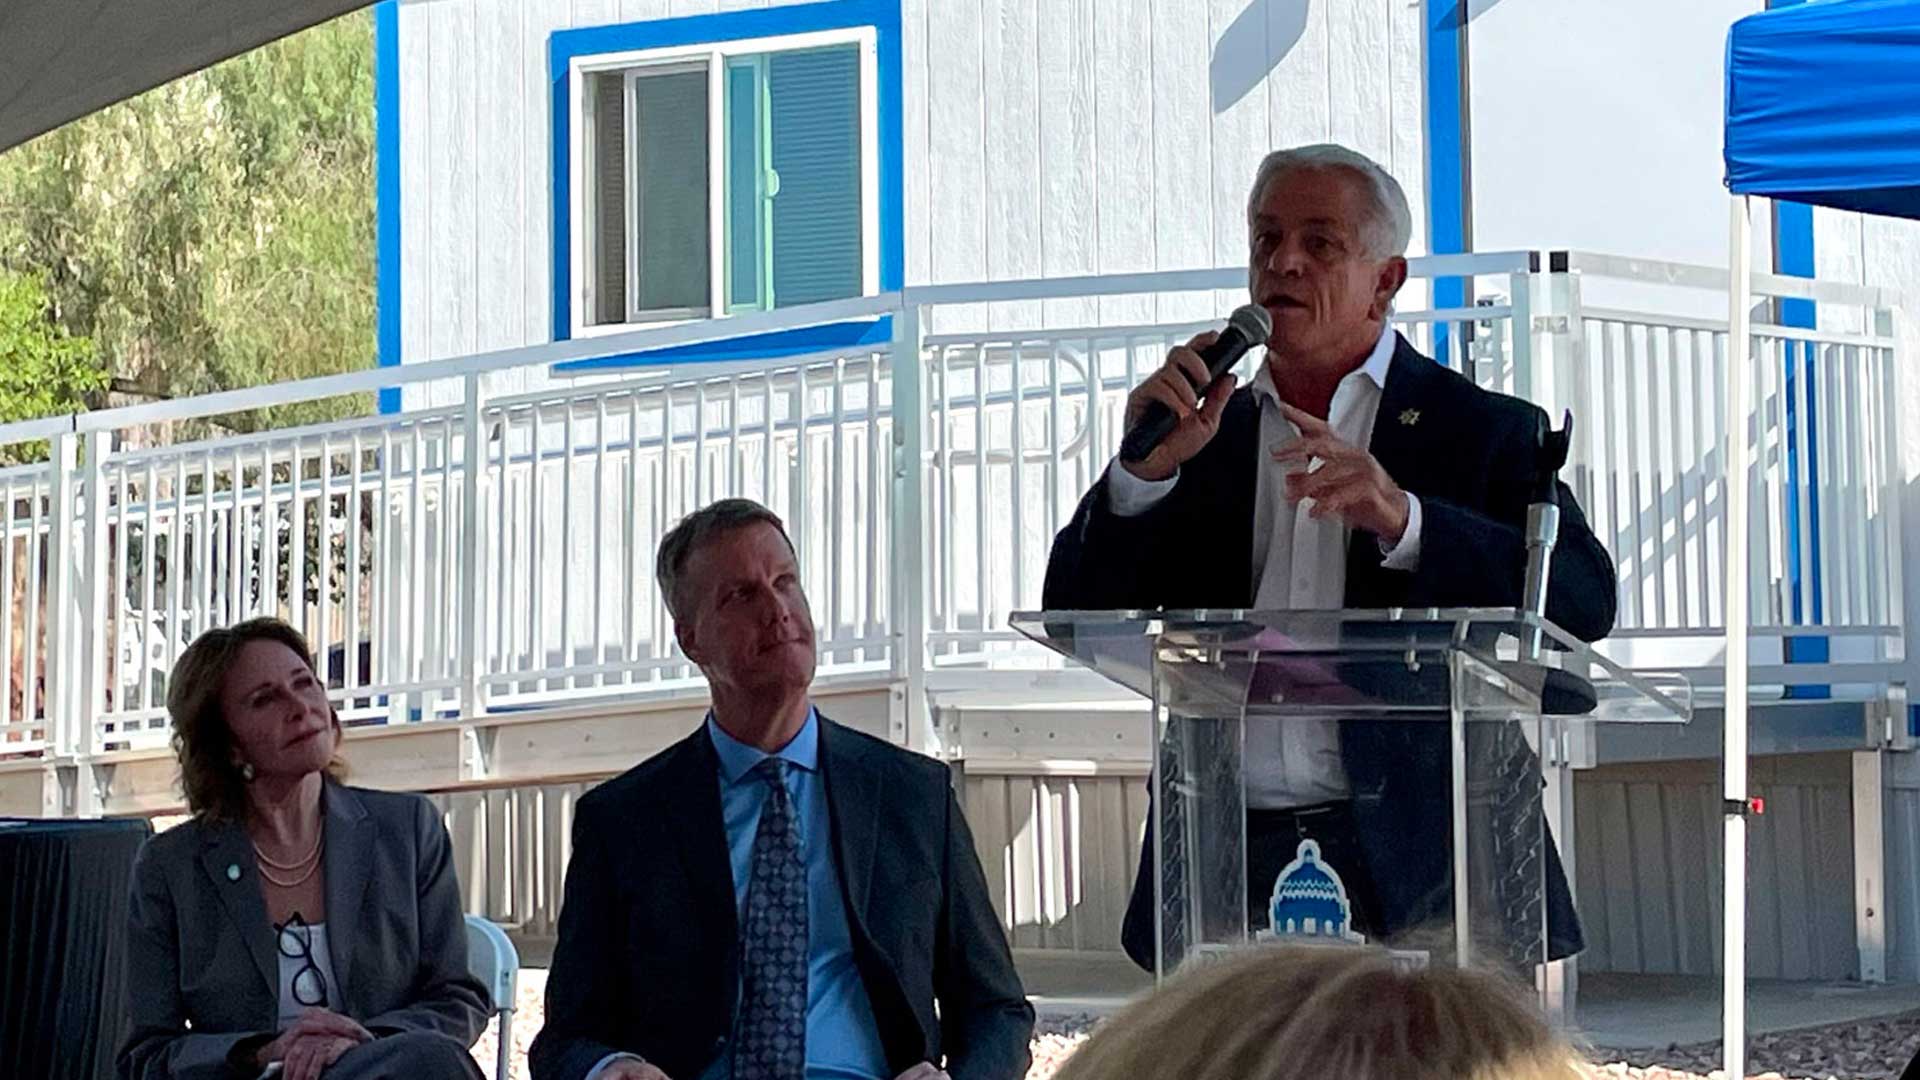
(1292, 1012)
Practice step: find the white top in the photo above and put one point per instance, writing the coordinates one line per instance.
(290, 1007)
(1300, 565)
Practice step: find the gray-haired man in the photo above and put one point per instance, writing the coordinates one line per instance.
(1352, 472)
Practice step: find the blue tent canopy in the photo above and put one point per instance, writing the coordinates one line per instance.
(1823, 105)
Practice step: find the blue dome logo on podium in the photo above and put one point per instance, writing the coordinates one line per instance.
(1310, 901)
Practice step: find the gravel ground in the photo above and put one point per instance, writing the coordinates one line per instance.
(1864, 1050)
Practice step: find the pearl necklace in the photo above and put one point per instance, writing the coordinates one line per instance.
(310, 861)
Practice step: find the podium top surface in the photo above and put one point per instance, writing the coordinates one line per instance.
(1388, 663)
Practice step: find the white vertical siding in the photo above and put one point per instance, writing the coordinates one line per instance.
(1182, 149)
(1648, 864)
(1069, 212)
(957, 222)
(1011, 78)
(916, 136)
(1902, 857)
(1040, 138)
(1058, 852)
(1123, 145)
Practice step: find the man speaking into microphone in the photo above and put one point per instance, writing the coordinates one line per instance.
(1352, 471)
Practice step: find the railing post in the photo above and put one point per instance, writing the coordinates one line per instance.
(1560, 380)
(911, 722)
(473, 609)
(75, 634)
(1521, 330)
(1900, 503)
(64, 556)
(90, 695)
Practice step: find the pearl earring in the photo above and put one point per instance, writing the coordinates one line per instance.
(246, 771)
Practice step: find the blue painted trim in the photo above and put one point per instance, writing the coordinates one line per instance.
(1794, 255)
(1446, 152)
(386, 191)
(768, 346)
(882, 15)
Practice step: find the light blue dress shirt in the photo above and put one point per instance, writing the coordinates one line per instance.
(843, 1038)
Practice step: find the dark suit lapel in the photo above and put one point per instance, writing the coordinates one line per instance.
(1402, 429)
(227, 859)
(1403, 443)
(689, 807)
(853, 802)
(349, 863)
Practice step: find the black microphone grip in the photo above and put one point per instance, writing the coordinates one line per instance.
(1157, 421)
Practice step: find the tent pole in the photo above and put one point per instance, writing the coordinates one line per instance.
(1735, 594)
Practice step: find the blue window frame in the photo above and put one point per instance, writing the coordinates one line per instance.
(733, 162)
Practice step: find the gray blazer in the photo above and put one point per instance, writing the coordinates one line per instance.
(201, 959)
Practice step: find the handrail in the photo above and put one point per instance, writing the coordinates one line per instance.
(326, 386)
(1698, 276)
(696, 332)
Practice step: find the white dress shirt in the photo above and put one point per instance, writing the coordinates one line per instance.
(291, 1008)
(1301, 564)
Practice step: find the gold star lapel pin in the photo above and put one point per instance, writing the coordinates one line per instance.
(1410, 417)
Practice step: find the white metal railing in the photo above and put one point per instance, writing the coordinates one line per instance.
(25, 514)
(1644, 376)
(434, 589)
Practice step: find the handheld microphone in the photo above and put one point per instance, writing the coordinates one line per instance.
(1247, 327)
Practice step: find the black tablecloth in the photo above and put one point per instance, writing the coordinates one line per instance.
(63, 942)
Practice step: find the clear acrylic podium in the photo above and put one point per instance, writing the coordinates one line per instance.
(1440, 721)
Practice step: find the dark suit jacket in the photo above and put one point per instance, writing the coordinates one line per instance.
(1468, 456)
(648, 960)
(201, 961)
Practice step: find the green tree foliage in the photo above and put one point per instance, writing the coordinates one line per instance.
(216, 232)
(44, 370)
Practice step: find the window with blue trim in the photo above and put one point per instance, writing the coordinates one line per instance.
(736, 176)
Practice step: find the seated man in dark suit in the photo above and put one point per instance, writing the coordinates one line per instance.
(1352, 472)
(775, 897)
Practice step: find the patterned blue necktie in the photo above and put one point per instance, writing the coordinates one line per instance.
(772, 1043)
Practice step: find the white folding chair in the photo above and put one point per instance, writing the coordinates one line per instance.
(494, 961)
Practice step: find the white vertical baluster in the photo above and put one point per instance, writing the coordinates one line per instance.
(351, 626)
(638, 578)
(323, 564)
(1017, 480)
(874, 507)
(267, 601)
(599, 635)
(415, 597)
(7, 496)
(149, 554)
(203, 569)
(834, 512)
(946, 520)
(39, 511)
(126, 698)
(537, 652)
(297, 543)
(982, 550)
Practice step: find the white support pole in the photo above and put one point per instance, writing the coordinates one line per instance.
(1734, 749)
(65, 558)
(1527, 371)
(472, 550)
(76, 617)
(912, 723)
(90, 699)
(1869, 864)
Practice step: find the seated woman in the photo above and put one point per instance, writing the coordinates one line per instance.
(1326, 1012)
(293, 920)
